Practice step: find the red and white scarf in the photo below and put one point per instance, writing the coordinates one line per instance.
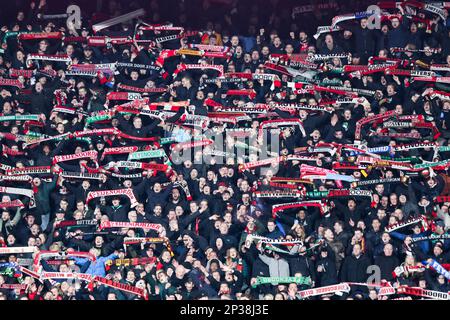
(108, 193)
(29, 171)
(183, 67)
(336, 288)
(11, 83)
(293, 205)
(15, 250)
(47, 57)
(12, 204)
(131, 225)
(406, 223)
(24, 192)
(121, 286)
(66, 275)
(92, 154)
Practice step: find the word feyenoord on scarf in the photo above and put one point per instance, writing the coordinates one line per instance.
(401, 225)
(92, 154)
(420, 145)
(439, 269)
(349, 193)
(108, 193)
(147, 154)
(419, 292)
(141, 90)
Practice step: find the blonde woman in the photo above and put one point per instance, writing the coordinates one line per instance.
(410, 269)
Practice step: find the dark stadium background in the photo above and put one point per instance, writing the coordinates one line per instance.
(282, 8)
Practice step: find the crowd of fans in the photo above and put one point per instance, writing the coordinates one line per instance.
(216, 232)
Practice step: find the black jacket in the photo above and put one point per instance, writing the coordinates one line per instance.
(355, 269)
(387, 265)
(328, 275)
(302, 264)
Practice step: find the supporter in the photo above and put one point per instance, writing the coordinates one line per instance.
(233, 156)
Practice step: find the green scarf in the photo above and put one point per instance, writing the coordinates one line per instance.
(27, 117)
(431, 164)
(98, 118)
(147, 154)
(405, 159)
(278, 280)
(444, 148)
(167, 140)
(317, 194)
(7, 272)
